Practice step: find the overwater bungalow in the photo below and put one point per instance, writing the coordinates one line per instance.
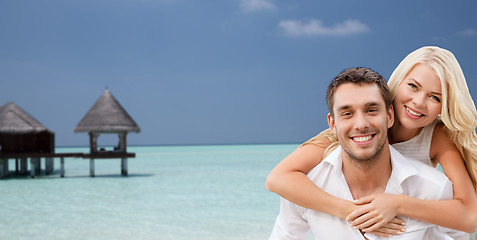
(23, 137)
(107, 116)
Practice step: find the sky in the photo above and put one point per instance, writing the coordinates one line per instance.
(212, 72)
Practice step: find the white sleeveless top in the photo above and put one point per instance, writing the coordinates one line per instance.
(418, 147)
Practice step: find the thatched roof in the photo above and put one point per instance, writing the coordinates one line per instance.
(107, 115)
(14, 120)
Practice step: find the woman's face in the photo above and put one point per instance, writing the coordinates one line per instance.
(418, 98)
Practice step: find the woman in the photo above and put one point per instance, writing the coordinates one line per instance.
(435, 112)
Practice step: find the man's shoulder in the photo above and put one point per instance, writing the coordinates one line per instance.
(422, 177)
(427, 172)
(330, 163)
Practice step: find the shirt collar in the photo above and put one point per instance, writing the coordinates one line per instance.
(334, 159)
(402, 169)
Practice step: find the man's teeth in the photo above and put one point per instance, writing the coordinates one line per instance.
(413, 113)
(362, 139)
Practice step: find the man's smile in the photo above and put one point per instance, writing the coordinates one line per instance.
(363, 139)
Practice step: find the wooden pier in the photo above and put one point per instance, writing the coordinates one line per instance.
(21, 162)
(109, 155)
(22, 137)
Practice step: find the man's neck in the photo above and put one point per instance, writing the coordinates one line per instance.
(365, 179)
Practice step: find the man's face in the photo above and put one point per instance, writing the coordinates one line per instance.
(360, 120)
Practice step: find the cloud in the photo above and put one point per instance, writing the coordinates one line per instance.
(467, 32)
(256, 5)
(315, 27)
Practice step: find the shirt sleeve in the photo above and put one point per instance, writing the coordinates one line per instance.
(291, 223)
(447, 193)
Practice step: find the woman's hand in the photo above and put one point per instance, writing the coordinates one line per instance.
(374, 212)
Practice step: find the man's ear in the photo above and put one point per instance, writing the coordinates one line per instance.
(390, 116)
(331, 123)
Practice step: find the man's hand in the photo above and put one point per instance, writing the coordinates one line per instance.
(394, 227)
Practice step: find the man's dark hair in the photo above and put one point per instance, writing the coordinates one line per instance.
(359, 76)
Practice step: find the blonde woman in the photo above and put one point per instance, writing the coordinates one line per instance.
(435, 123)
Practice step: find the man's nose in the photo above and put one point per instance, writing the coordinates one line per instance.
(361, 122)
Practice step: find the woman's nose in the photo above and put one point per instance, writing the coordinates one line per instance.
(419, 99)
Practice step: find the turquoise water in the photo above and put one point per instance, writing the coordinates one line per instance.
(178, 192)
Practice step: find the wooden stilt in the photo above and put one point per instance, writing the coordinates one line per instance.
(62, 163)
(91, 167)
(38, 165)
(32, 167)
(49, 165)
(23, 165)
(2, 166)
(124, 166)
(5, 167)
(17, 165)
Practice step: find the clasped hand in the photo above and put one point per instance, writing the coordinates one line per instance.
(377, 215)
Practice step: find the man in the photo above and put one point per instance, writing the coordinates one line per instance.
(360, 114)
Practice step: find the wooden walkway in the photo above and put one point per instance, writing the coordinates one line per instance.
(21, 161)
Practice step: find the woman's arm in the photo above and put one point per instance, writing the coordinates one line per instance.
(288, 179)
(459, 213)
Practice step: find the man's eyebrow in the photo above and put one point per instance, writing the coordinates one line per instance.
(372, 104)
(344, 107)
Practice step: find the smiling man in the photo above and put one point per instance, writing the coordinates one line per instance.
(361, 112)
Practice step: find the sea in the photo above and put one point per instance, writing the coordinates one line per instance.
(206, 192)
(171, 192)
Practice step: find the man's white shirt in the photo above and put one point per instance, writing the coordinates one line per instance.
(408, 177)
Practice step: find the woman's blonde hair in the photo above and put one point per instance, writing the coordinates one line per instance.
(325, 139)
(458, 110)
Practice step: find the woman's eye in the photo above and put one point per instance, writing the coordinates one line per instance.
(412, 85)
(435, 98)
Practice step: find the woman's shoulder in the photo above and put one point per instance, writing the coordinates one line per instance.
(441, 141)
(441, 132)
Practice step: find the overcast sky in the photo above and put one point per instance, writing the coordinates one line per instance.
(212, 72)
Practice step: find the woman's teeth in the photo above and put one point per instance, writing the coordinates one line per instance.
(413, 113)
